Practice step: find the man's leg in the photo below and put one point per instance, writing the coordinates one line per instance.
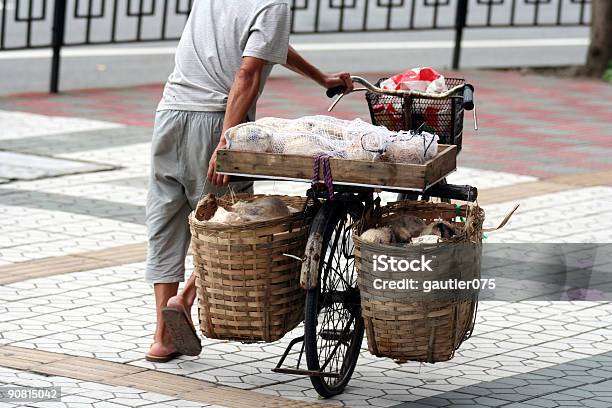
(162, 343)
(168, 232)
(186, 297)
(168, 244)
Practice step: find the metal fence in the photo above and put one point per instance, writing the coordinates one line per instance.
(27, 24)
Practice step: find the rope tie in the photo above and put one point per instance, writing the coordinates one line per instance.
(322, 161)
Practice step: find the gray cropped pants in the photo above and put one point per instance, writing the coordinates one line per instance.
(182, 145)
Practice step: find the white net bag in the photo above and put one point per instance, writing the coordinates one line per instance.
(250, 137)
(411, 148)
(308, 136)
(326, 126)
(347, 139)
(366, 141)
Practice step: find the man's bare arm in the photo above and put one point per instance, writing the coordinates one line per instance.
(241, 97)
(297, 63)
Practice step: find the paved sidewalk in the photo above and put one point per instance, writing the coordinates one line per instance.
(72, 242)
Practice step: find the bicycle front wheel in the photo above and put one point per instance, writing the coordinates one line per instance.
(333, 326)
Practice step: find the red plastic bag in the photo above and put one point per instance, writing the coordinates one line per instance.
(423, 79)
(417, 79)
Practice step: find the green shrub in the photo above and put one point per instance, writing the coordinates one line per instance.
(608, 74)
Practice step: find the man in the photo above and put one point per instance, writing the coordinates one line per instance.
(223, 59)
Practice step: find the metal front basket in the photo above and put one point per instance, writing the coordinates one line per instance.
(442, 117)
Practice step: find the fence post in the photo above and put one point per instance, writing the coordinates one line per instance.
(460, 21)
(59, 26)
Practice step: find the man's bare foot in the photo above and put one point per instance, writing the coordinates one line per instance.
(161, 353)
(179, 302)
(161, 349)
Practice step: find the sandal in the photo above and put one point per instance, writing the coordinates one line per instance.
(181, 331)
(162, 359)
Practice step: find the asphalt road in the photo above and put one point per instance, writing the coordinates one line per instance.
(120, 65)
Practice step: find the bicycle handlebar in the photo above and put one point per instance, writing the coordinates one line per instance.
(336, 90)
(468, 92)
(468, 97)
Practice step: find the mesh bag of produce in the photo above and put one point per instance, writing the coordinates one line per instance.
(346, 139)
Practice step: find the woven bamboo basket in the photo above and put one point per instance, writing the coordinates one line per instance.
(248, 289)
(413, 325)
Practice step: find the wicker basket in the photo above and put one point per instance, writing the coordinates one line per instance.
(413, 325)
(248, 290)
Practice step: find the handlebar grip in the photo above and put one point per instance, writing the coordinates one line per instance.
(336, 90)
(468, 97)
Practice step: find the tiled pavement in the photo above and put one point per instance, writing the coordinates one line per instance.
(77, 240)
(76, 393)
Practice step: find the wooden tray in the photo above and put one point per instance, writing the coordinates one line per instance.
(345, 172)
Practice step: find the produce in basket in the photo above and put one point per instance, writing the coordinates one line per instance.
(264, 208)
(248, 288)
(408, 230)
(242, 212)
(408, 227)
(382, 235)
(412, 324)
(443, 229)
(425, 239)
(206, 208)
(222, 216)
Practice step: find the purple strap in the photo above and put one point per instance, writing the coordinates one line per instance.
(323, 160)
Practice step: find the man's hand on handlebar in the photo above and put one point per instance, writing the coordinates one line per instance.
(340, 79)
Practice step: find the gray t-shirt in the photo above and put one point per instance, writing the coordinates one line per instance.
(217, 35)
